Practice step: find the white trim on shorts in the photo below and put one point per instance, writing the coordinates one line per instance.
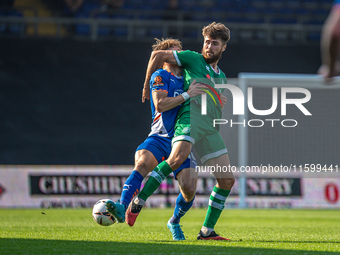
(214, 155)
(183, 138)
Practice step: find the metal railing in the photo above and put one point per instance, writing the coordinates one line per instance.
(138, 28)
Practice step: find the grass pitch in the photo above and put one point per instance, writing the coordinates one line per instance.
(66, 231)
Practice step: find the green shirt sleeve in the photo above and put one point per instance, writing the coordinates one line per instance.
(186, 58)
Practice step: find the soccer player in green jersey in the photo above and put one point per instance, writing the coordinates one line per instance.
(193, 128)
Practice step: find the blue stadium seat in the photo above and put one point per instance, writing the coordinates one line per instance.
(216, 9)
(15, 28)
(224, 5)
(320, 11)
(285, 10)
(310, 5)
(3, 26)
(121, 16)
(138, 4)
(103, 30)
(251, 10)
(82, 29)
(255, 20)
(314, 36)
(243, 4)
(283, 21)
(157, 4)
(277, 5)
(87, 8)
(156, 32)
(269, 10)
(191, 33)
(186, 5)
(237, 19)
(261, 4)
(120, 31)
(314, 22)
(302, 10)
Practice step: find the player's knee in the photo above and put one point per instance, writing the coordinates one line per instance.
(142, 168)
(230, 182)
(188, 192)
(226, 183)
(175, 162)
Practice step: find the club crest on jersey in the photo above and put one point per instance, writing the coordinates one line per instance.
(186, 130)
(158, 81)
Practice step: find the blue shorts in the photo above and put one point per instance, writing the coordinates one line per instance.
(160, 147)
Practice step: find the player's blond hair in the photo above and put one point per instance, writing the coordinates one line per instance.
(165, 44)
(217, 30)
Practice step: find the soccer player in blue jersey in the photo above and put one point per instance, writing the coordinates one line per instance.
(166, 93)
(330, 43)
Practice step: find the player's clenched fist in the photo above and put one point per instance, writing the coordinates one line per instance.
(195, 89)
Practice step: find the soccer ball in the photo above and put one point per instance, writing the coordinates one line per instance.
(101, 215)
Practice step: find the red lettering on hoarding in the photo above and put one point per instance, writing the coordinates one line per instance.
(332, 193)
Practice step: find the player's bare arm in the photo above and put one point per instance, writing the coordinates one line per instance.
(156, 61)
(164, 103)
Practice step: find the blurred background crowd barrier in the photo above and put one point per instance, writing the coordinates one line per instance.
(255, 21)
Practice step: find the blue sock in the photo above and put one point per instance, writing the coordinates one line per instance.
(131, 188)
(181, 208)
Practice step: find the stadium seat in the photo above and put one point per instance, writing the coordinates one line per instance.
(283, 21)
(89, 7)
(120, 31)
(15, 28)
(237, 19)
(156, 32)
(314, 36)
(191, 33)
(82, 29)
(314, 21)
(103, 30)
(3, 26)
(157, 4)
(186, 5)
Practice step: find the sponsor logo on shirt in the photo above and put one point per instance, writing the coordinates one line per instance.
(158, 81)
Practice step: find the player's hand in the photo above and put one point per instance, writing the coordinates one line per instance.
(145, 94)
(223, 99)
(196, 89)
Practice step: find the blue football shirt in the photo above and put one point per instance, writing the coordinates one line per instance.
(164, 81)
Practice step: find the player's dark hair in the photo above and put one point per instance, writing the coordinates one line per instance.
(165, 44)
(217, 30)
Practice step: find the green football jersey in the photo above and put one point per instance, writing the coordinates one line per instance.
(195, 68)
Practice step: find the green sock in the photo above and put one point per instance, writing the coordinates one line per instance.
(216, 205)
(157, 176)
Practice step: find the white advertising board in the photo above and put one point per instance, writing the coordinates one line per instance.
(82, 186)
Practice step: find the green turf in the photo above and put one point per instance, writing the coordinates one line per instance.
(66, 231)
